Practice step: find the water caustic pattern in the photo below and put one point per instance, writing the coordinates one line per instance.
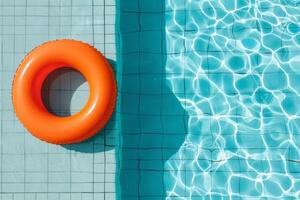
(235, 68)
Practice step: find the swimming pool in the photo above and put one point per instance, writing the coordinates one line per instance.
(209, 99)
(207, 105)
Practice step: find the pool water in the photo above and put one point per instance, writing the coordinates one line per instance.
(210, 94)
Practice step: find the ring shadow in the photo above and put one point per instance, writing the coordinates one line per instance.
(153, 122)
(58, 90)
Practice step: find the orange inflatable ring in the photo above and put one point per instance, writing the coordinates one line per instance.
(27, 86)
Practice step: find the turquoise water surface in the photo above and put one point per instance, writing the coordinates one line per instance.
(210, 94)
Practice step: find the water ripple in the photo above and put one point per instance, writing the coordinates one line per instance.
(240, 64)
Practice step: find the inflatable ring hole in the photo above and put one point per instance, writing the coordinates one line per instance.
(65, 92)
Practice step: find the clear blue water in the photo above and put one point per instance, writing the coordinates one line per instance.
(210, 99)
